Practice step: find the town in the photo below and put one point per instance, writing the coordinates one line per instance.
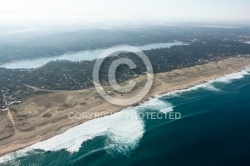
(18, 84)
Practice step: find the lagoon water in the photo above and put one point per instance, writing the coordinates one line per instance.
(78, 56)
(247, 42)
(214, 129)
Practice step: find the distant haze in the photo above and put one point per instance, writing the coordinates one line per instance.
(99, 10)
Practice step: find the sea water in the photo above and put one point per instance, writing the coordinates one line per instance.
(214, 129)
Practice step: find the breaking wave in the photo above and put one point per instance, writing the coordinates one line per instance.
(123, 130)
(209, 85)
(157, 104)
(230, 77)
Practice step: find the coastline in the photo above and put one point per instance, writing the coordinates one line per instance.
(37, 130)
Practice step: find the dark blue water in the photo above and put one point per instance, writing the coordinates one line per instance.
(214, 130)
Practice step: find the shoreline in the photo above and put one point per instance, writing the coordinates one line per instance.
(66, 56)
(25, 137)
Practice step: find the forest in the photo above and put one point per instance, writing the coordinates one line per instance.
(68, 75)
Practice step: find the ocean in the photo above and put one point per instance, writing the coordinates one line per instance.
(214, 129)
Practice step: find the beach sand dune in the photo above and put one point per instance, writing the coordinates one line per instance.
(43, 116)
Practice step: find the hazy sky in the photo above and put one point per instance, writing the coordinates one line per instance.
(127, 9)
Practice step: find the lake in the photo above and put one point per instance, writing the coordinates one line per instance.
(77, 56)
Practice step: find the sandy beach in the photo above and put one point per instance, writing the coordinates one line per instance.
(43, 116)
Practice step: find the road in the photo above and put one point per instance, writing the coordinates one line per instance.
(9, 112)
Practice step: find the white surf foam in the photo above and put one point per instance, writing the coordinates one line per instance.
(123, 129)
(115, 125)
(209, 85)
(124, 137)
(158, 104)
(230, 77)
(167, 110)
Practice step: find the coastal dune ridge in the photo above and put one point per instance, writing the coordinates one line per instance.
(57, 132)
